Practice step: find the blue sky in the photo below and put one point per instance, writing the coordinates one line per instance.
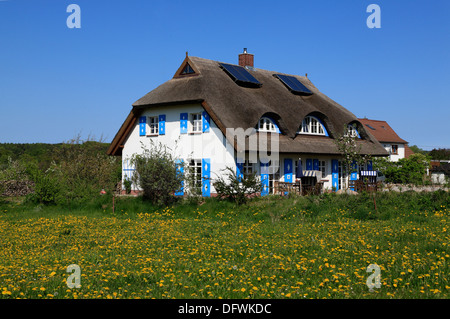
(56, 82)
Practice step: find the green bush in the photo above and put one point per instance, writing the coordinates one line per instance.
(83, 169)
(46, 187)
(157, 174)
(127, 184)
(237, 189)
(409, 170)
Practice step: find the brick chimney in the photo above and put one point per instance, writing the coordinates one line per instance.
(246, 59)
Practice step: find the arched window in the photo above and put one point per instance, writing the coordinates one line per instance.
(311, 125)
(266, 124)
(352, 131)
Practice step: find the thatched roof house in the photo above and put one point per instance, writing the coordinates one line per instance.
(235, 96)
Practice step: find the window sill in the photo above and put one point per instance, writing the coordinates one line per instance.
(150, 135)
(194, 133)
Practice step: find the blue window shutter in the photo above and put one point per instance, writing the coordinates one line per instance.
(162, 124)
(239, 171)
(265, 179)
(142, 125)
(205, 121)
(335, 174)
(316, 166)
(353, 174)
(206, 180)
(183, 123)
(180, 170)
(309, 166)
(288, 170)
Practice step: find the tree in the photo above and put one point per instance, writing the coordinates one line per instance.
(417, 149)
(157, 174)
(237, 188)
(440, 154)
(409, 170)
(347, 144)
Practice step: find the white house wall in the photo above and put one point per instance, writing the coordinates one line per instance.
(395, 157)
(211, 145)
(205, 145)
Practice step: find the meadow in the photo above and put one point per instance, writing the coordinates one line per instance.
(296, 247)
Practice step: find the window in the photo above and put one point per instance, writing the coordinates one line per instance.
(274, 175)
(196, 122)
(195, 174)
(351, 130)
(247, 168)
(323, 168)
(153, 124)
(187, 70)
(266, 125)
(311, 125)
(394, 149)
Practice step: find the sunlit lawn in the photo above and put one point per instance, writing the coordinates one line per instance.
(271, 249)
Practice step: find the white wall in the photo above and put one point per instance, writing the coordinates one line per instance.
(212, 144)
(395, 157)
(438, 178)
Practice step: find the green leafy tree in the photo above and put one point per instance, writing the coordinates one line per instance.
(417, 149)
(47, 189)
(236, 188)
(347, 144)
(157, 174)
(409, 170)
(440, 154)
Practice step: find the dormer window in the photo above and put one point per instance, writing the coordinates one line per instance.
(311, 125)
(266, 124)
(352, 131)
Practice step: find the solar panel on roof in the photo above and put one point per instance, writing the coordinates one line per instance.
(240, 75)
(293, 84)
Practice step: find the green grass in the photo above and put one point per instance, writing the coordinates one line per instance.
(297, 247)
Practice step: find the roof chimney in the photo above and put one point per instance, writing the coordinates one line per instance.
(246, 59)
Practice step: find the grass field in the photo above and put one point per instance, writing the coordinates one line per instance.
(300, 247)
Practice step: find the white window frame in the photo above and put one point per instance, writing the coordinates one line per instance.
(311, 126)
(265, 124)
(196, 123)
(351, 131)
(323, 167)
(247, 168)
(153, 125)
(196, 164)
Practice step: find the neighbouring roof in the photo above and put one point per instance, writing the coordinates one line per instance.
(408, 151)
(444, 168)
(231, 105)
(382, 131)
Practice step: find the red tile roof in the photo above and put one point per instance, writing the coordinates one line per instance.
(381, 131)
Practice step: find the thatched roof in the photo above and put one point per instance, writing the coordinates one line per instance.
(233, 106)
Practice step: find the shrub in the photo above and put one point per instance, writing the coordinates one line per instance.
(237, 189)
(127, 184)
(46, 187)
(83, 169)
(157, 174)
(409, 170)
